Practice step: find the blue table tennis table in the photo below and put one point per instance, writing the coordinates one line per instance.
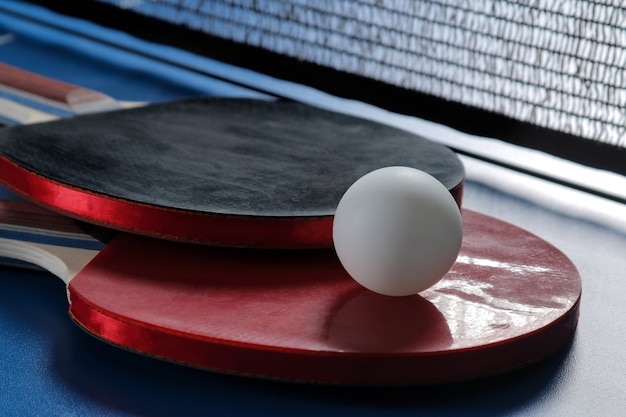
(48, 366)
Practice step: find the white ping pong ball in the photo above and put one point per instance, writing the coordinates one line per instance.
(397, 231)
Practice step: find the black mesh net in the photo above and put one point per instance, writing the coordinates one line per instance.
(554, 66)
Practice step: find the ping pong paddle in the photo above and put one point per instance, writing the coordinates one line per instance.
(220, 171)
(510, 300)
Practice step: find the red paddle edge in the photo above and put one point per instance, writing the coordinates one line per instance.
(172, 224)
(307, 366)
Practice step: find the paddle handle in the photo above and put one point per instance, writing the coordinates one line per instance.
(31, 236)
(54, 92)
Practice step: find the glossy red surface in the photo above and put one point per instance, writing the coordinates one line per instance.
(510, 300)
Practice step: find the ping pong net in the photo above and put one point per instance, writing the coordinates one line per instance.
(544, 75)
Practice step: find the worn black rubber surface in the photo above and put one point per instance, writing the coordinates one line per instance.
(222, 156)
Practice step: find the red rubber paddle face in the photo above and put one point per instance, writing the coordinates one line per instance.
(510, 300)
(227, 172)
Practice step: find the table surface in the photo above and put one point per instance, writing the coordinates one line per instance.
(50, 367)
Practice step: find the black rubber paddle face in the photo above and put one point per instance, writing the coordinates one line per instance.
(221, 156)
